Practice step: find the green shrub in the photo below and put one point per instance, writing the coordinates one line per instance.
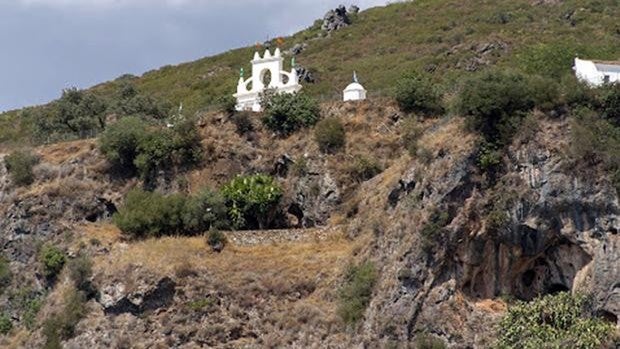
(133, 146)
(147, 214)
(179, 146)
(594, 141)
(227, 104)
(494, 102)
(416, 94)
(576, 93)
(129, 102)
(120, 142)
(252, 200)
(553, 321)
(61, 325)
(52, 259)
(204, 211)
(330, 135)
(364, 168)
(19, 164)
(286, 113)
(611, 103)
(356, 293)
(5, 273)
(216, 239)
(6, 325)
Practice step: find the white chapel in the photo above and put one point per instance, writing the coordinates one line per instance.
(267, 73)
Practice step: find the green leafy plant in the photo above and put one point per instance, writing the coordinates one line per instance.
(19, 164)
(554, 321)
(286, 113)
(252, 200)
(330, 135)
(53, 260)
(416, 94)
(356, 293)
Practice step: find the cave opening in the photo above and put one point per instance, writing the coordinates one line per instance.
(528, 277)
(608, 316)
(557, 288)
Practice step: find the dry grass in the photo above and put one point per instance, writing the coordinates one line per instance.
(63, 152)
(166, 255)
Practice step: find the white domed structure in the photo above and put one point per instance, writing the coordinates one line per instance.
(355, 91)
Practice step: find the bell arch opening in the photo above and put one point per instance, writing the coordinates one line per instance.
(265, 77)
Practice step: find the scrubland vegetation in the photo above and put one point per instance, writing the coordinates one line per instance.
(433, 78)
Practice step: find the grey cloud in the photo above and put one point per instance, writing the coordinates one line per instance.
(48, 45)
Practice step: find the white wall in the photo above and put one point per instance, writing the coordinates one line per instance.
(587, 71)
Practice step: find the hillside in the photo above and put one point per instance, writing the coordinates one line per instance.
(449, 39)
(474, 205)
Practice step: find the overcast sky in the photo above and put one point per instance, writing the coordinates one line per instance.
(48, 45)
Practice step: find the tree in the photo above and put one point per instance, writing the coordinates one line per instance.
(286, 113)
(416, 94)
(120, 142)
(252, 200)
(75, 112)
(493, 101)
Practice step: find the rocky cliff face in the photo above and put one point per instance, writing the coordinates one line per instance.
(449, 244)
(543, 228)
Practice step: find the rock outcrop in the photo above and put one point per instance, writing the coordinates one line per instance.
(336, 19)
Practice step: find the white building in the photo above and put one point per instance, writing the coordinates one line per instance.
(355, 91)
(597, 73)
(267, 73)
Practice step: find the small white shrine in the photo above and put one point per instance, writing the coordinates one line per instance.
(355, 91)
(597, 73)
(267, 73)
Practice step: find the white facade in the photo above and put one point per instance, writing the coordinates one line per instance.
(248, 97)
(597, 73)
(355, 91)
